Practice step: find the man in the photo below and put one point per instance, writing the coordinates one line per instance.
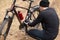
(49, 20)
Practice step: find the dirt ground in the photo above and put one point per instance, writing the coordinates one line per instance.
(15, 33)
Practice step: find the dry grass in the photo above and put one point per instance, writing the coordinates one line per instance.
(15, 33)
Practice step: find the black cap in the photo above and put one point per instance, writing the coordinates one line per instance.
(44, 3)
(45, 0)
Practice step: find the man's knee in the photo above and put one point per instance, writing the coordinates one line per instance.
(31, 32)
(37, 34)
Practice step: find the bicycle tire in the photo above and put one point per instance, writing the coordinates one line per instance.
(34, 15)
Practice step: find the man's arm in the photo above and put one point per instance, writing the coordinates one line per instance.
(36, 21)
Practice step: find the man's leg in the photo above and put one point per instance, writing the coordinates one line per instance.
(35, 33)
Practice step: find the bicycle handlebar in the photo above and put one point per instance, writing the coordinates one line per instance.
(23, 0)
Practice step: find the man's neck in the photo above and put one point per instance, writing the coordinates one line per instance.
(44, 8)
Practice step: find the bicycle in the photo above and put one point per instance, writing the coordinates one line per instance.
(8, 19)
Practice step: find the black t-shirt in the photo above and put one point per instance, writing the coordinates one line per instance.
(50, 22)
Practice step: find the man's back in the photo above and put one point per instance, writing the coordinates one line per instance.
(50, 22)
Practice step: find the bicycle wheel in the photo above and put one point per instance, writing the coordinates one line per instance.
(35, 12)
(33, 17)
